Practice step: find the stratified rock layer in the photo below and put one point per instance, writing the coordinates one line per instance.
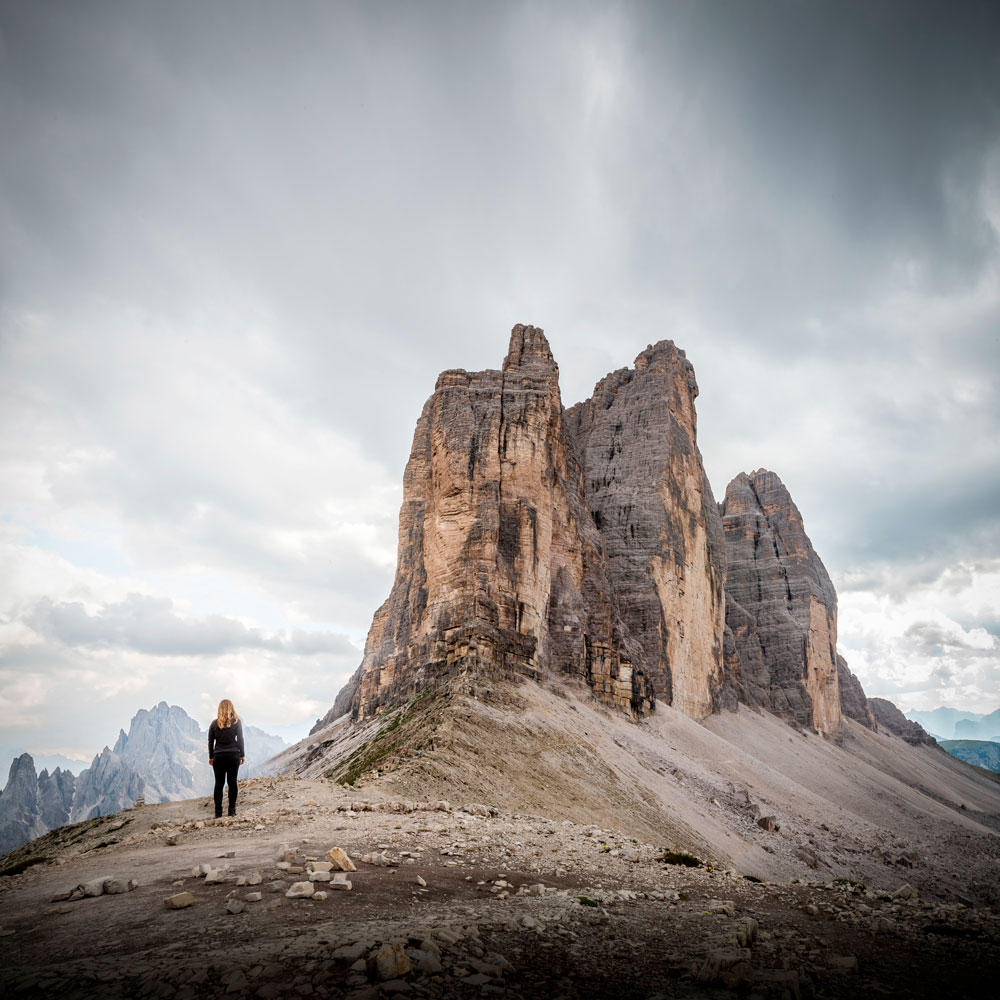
(781, 608)
(500, 569)
(659, 523)
(853, 702)
(891, 718)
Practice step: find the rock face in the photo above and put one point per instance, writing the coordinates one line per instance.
(588, 542)
(500, 568)
(853, 702)
(781, 608)
(660, 527)
(891, 718)
(107, 786)
(19, 804)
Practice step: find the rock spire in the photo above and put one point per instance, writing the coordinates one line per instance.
(781, 608)
(500, 569)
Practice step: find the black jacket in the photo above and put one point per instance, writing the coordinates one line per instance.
(225, 741)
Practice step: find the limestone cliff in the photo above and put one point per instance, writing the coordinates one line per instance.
(891, 718)
(853, 702)
(500, 569)
(659, 523)
(781, 608)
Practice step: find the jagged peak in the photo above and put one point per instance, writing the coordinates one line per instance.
(528, 348)
(662, 352)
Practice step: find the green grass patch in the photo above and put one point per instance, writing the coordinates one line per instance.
(388, 741)
(587, 901)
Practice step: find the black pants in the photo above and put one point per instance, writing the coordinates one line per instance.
(226, 767)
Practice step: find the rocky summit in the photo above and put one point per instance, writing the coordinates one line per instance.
(536, 541)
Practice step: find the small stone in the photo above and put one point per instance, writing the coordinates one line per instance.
(286, 854)
(391, 961)
(321, 866)
(235, 981)
(427, 961)
(300, 890)
(812, 910)
(114, 886)
(723, 906)
(254, 878)
(477, 980)
(319, 895)
(254, 897)
(905, 892)
(768, 823)
(174, 839)
(421, 881)
(395, 986)
(338, 859)
(234, 906)
(95, 887)
(215, 877)
(350, 952)
(179, 901)
(319, 876)
(340, 881)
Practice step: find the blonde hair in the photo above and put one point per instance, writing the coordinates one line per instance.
(227, 714)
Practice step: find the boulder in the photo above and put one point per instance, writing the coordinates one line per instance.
(337, 858)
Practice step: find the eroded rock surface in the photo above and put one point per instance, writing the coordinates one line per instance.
(660, 527)
(781, 608)
(891, 718)
(853, 702)
(500, 567)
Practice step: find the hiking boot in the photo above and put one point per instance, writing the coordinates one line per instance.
(218, 813)
(232, 810)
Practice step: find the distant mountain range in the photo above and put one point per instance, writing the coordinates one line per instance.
(982, 753)
(163, 757)
(952, 724)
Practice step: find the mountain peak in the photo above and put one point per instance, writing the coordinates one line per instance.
(529, 348)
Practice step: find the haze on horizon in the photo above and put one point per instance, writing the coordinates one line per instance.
(239, 242)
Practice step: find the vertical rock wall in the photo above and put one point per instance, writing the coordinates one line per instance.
(659, 523)
(781, 608)
(853, 702)
(587, 541)
(500, 569)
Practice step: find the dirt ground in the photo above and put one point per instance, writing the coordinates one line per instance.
(458, 901)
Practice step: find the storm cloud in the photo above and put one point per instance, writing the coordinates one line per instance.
(238, 242)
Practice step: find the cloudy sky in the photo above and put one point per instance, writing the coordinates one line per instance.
(238, 241)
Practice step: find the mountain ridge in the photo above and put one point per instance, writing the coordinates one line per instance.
(163, 758)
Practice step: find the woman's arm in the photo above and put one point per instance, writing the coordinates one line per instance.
(239, 739)
(211, 742)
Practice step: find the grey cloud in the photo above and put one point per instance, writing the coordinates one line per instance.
(383, 190)
(931, 639)
(150, 625)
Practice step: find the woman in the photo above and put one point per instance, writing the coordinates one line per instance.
(226, 753)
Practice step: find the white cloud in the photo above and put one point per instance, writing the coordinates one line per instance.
(933, 643)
